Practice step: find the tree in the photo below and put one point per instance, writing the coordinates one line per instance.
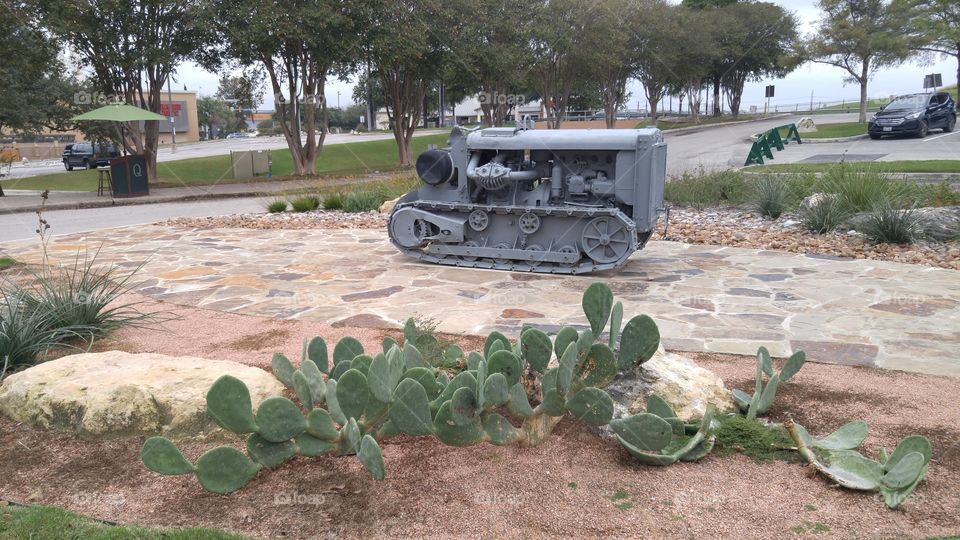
(562, 44)
(861, 36)
(658, 36)
(936, 26)
(697, 30)
(408, 53)
(130, 47)
(490, 59)
(243, 92)
(36, 92)
(214, 115)
(759, 40)
(299, 43)
(614, 63)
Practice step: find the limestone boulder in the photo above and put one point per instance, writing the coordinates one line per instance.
(687, 387)
(117, 394)
(387, 206)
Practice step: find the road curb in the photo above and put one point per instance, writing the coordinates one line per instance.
(721, 124)
(833, 140)
(107, 203)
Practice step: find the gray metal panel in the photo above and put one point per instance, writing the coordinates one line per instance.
(564, 139)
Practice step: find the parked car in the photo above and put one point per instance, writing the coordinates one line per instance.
(88, 155)
(914, 114)
(235, 135)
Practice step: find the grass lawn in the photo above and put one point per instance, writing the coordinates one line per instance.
(830, 131)
(854, 106)
(337, 159)
(48, 522)
(667, 125)
(928, 166)
(6, 262)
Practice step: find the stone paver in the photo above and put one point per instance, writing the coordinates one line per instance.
(704, 298)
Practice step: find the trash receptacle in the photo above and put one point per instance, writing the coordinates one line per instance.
(128, 175)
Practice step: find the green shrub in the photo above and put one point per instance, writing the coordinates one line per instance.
(85, 299)
(24, 334)
(703, 189)
(824, 216)
(307, 203)
(863, 188)
(6, 262)
(276, 206)
(362, 201)
(890, 225)
(936, 195)
(334, 201)
(771, 196)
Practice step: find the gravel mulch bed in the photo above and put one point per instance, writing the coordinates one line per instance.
(724, 226)
(575, 485)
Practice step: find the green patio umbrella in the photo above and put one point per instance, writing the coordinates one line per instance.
(120, 112)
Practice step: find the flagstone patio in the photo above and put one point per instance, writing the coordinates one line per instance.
(704, 298)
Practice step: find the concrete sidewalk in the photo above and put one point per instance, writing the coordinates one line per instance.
(17, 201)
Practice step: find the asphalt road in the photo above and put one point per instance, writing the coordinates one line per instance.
(216, 148)
(722, 147)
(23, 226)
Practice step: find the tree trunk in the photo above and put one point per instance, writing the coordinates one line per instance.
(717, 109)
(956, 103)
(864, 71)
(653, 111)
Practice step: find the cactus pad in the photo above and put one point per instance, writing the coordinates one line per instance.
(597, 303)
(638, 342)
(599, 366)
(279, 419)
(848, 437)
(228, 403)
(463, 407)
(302, 389)
(346, 350)
(225, 469)
(491, 339)
(496, 391)
(270, 454)
(592, 406)
(317, 353)
(616, 320)
(645, 432)
(452, 434)
(318, 388)
(518, 404)
(568, 362)
(410, 410)
(352, 393)
(320, 425)
(162, 456)
(507, 363)
(500, 431)
(536, 349)
(371, 457)
(282, 369)
(310, 446)
(565, 337)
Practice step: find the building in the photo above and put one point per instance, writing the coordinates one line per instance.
(183, 107)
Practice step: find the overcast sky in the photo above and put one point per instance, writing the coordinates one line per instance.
(818, 82)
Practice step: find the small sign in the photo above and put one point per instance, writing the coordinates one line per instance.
(769, 91)
(933, 80)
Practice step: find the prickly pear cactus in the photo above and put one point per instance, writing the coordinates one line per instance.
(347, 406)
(763, 394)
(894, 476)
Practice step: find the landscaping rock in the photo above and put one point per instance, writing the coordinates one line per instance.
(118, 394)
(687, 387)
(387, 206)
(814, 200)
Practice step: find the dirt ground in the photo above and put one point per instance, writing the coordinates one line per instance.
(575, 484)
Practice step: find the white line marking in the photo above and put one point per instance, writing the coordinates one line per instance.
(941, 136)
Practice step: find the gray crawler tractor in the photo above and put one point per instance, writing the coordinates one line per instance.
(566, 201)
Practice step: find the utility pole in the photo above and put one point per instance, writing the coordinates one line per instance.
(173, 127)
(370, 120)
